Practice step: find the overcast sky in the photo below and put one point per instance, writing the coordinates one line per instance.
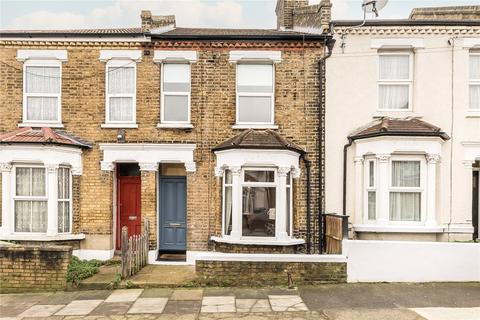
(61, 14)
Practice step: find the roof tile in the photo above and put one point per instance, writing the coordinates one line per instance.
(44, 135)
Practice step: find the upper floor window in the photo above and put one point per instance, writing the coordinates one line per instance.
(395, 82)
(475, 82)
(121, 92)
(42, 92)
(175, 93)
(255, 94)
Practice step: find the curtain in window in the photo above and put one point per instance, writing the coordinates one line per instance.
(228, 210)
(405, 206)
(393, 96)
(475, 97)
(259, 211)
(394, 67)
(372, 205)
(475, 67)
(121, 80)
(121, 109)
(42, 108)
(255, 109)
(38, 81)
(405, 174)
(30, 212)
(64, 200)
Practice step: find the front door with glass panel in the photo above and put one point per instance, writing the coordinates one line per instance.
(173, 210)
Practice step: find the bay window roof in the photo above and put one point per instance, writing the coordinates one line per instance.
(258, 139)
(43, 135)
(398, 127)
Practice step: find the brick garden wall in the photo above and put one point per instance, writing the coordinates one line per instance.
(246, 273)
(33, 268)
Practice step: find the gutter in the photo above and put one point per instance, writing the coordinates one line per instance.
(298, 37)
(406, 22)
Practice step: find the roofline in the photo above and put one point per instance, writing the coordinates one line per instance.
(297, 37)
(440, 134)
(299, 151)
(31, 35)
(405, 22)
(81, 146)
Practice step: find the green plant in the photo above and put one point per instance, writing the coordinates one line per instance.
(129, 284)
(115, 282)
(81, 269)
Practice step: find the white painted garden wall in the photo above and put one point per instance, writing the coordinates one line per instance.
(411, 261)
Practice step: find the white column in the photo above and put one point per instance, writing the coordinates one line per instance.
(236, 203)
(432, 159)
(382, 188)
(52, 193)
(359, 189)
(7, 213)
(280, 210)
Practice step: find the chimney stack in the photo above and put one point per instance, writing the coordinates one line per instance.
(446, 13)
(150, 22)
(284, 12)
(298, 15)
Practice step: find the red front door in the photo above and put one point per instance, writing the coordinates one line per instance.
(129, 213)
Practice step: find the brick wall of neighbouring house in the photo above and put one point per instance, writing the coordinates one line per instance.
(213, 114)
(33, 268)
(245, 273)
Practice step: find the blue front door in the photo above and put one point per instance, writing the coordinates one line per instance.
(173, 209)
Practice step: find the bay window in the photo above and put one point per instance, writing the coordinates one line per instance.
(474, 82)
(255, 94)
(175, 93)
(405, 191)
(395, 82)
(120, 92)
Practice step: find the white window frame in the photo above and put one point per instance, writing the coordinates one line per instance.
(224, 185)
(27, 198)
(381, 82)
(255, 94)
(472, 82)
(42, 123)
(369, 188)
(290, 195)
(121, 124)
(69, 200)
(421, 189)
(174, 93)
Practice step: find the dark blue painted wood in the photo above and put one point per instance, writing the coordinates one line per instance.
(173, 210)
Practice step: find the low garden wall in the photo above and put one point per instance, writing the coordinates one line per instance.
(269, 269)
(33, 268)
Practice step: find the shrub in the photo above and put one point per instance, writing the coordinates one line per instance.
(82, 269)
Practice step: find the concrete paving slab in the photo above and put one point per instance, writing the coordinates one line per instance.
(40, 310)
(23, 298)
(111, 308)
(449, 313)
(93, 294)
(156, 293)
(124, 295)
(60, 298)
(182, 307)
(189, 316)
(282, 291)
(245, 293)
(218, 304)
(253, 305)
(79, 308)
(287, 303)
(298, 315)
(212, 292)
(14, 309)
(371, 314)
(187, 294)
(149, 305)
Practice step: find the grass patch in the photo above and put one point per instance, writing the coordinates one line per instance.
(82, 269)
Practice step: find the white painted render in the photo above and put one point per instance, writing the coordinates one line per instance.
(89, 254)
(440, 97)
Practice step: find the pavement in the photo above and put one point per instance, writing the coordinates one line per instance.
(437, 301)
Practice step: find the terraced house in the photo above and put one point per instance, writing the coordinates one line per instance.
(211, 134)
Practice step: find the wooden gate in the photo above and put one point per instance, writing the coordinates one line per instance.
(134, 250)
(335, 230)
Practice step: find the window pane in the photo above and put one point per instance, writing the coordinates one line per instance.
(64, 216)
(39, 216)
(42, 108)
(288, 211)
(121, 80)
(22, 216)
(259, 176)
(63, 183)
(371, 171)
(393, 96)
(121, 109)
(255, 78)
(475, 67)
(371, 205)
(30, 216)
(255, 109)
(228, 177)
(394, 67)
(405, 173)
(38, 182)
(289, 179)
(42, 80)
(258, 211)
(22, 181)
(175, 108)
(176, 77)
(475, 97)
(405, 206)
(228, 210)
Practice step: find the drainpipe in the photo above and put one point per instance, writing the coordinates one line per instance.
(309, 210)
(320, 137)
(345, 149)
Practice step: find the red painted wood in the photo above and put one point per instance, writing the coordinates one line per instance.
(129, 206)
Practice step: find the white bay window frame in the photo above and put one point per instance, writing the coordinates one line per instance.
(473, 82)
(39, 122)
(66, 199)
(391, 82)
(370, 169)
(187, 122)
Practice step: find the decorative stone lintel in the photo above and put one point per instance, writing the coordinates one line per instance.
(77, 171)
(358, 160)
(52, 167)
(148, 166)
(432, 158)
(219, 172)
(383, 157)
(190, 166)
(235, 170)
(6, 167)
(106, 166)
(282, 171)
(468, 164)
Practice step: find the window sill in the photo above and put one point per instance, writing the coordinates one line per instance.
(397, 228)
(254, 126)
(41, 237)
(259, 242)
(473, 114)
(119, 125)
(396, 114)
(40, 124)
(175, 125)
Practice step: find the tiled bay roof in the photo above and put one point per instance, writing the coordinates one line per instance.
(255, 139)
(398, 127)
(43, 135)
(113, 31)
